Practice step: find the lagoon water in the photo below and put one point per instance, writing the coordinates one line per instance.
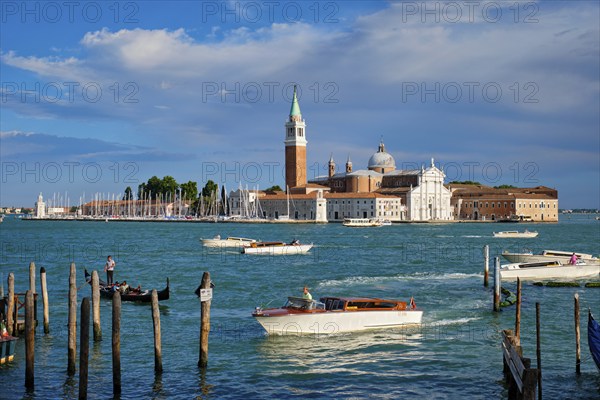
(455, 353)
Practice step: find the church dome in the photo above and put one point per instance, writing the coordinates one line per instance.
(382, 159)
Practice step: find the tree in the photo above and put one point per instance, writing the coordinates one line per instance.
(128, 194)
(168, 184)
(505, 187)
(274, 188)
(189, 190)
(209, 188)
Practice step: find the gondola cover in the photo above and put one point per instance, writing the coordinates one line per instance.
(594, 338)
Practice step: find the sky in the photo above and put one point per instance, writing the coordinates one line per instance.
(98, 96)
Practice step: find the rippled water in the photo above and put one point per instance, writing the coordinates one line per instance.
(455, 353)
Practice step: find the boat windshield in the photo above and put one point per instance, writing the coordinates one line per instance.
(303, 304)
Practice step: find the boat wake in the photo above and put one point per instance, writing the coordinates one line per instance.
(363, 280)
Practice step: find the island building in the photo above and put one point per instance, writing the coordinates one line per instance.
(480, 202)
(380, 191)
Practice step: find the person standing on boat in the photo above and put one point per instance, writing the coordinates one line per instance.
(109, 268)
(573, 259)
(306, 295)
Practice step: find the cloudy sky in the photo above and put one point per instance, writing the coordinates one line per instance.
(98, 96)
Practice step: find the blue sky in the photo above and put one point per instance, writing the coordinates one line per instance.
(98, 96)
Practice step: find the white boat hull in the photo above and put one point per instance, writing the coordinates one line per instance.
(515, 234)
(337, 321)
(278, 250)
(218, 243)
(512, 272)
(530, 258)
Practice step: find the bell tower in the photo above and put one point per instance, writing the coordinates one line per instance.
(295, 147)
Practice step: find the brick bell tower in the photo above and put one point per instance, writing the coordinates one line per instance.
(295, 147)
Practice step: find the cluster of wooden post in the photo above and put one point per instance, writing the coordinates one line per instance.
(522, 379)
(30, 325)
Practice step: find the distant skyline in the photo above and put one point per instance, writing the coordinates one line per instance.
(98, 96)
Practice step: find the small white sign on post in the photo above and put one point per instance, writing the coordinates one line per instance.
(205, 294)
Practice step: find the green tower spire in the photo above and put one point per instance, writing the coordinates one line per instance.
(295, 110)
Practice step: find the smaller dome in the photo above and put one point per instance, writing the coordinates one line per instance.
(382, 159)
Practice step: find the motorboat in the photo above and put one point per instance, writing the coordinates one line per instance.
(277, 248)
(549, 255)
(227, 242)
(548, 270)
(516, 234)
(328, 315)
(594, 338)
(362, 222)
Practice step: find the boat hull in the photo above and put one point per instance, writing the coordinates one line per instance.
(515, 234)
(529, 258)
(220, 243)
(7, 349)
(337, 321)
(278, 250)
(512, 272)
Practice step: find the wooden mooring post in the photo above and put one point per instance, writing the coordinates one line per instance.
(29, 341)
(486, 265)
(45, 300)
(518, 314)
(32, 277)
(204, 322)
(497, 284)
(157, 339)
(116, 343)
(522, 379)
(577, 337)
(96, 306)
(1, 285)
(84, 347)
(538, 349)
(72, 322)
(11, 311)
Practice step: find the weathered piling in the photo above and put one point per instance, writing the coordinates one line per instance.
(84, 347)
(29, 340)
(518, 314)
(96, 306)
(32, 277)
(538, 351)
(577, 337)
(72, 322)
(45, 300)
(157, 339)
(204, 323)
(11, 312)
(116, 342)
(497, 284)
(1, 285)
(486, 265)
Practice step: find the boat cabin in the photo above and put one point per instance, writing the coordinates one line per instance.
(299, 303)
(361, 304)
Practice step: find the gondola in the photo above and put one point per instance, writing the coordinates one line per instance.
(594, 338)
(143, 297)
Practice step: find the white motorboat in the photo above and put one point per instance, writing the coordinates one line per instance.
(549, 255)
(228, 242)
(277, 248)
(548, 270)
(362, 222)
(516, 234)
(336, 314)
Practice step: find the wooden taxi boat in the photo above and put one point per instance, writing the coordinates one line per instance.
(336, 314)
